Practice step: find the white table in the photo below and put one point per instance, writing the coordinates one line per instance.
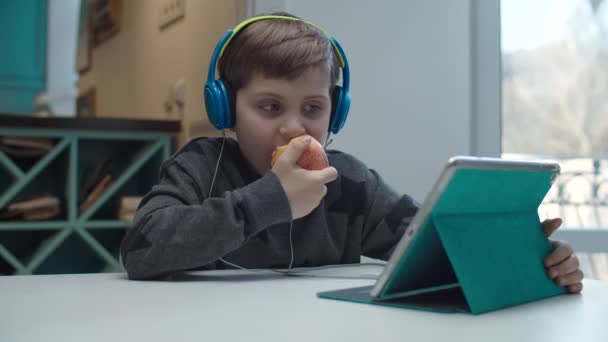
(265, 306)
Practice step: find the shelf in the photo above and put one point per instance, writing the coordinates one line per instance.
(11, 166)
(34, 225)
(45, 249)
(73, 242)
(21, 182)
(54, 125)
(107, 224)
(136, 163)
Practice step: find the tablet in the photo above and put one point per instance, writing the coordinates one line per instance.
(476, 244)
(508, 170)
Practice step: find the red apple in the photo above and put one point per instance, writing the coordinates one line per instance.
(313, 157)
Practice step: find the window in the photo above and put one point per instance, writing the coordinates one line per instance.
(555, 106)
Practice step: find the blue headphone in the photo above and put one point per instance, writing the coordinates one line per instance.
(217, 100)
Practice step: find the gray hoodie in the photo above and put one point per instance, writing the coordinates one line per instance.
(178, 227)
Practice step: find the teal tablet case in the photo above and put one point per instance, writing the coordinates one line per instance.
(480, 249)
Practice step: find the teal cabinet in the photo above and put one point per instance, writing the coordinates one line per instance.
(23, 28)
(76, 241)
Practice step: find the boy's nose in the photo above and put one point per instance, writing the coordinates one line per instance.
(292, 128)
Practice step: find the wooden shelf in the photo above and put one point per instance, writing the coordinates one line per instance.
(95, 124)
(140, 146)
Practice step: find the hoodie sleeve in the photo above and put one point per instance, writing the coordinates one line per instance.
(178, 228)
(387, 217)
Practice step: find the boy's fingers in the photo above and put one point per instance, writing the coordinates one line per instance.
(576, 288)
(570, 279)
(561, 252)
(551, 225)
(570, 265)
(326, 175)
(295, 150)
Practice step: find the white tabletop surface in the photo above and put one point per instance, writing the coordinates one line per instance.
(265, 306)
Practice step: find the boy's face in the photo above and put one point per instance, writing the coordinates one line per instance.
(270, 112)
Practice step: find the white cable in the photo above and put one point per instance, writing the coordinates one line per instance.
(307, 272)
(217, 164)
(327, 141)
(273, 270)
(289, 271)
(210, 193)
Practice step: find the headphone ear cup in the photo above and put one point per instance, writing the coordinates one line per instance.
(216, 104)
(210, 92)
(340, 105)
(335, 97)
(231, 98)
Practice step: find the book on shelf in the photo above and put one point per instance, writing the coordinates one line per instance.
(123, 216)
(97, 191)
(92, 177)
(28, 142)
(33, 208)
(34, 202)
(25, 147)
(41, 214)
(128, 207)
(130, 203)
(6, 215)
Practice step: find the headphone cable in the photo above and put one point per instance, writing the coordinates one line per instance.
(289, 271)
(210, 193)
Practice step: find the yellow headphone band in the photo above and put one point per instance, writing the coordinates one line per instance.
(244, 24)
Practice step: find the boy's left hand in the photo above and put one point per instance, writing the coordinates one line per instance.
(562, 264)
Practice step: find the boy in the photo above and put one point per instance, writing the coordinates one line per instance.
(220, 204)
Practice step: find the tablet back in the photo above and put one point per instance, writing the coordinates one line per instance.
(482, 234)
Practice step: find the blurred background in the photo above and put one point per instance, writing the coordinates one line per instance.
(430, 79)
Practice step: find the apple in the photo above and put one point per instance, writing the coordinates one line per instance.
(313, 157)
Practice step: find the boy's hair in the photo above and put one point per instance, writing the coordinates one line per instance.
(278, 48)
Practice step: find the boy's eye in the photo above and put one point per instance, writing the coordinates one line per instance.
(270, 107)
(312, 108)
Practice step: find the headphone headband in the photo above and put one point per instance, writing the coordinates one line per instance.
(244, 24)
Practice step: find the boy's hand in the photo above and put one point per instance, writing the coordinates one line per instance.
(562, 265)
(305, 189)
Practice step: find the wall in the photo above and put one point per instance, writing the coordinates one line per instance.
(61, 77)
(425, 81)
(133, 71)
(425, 75)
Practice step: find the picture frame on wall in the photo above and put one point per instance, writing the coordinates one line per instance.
(84, 55)
(86, 104)
(107, 19)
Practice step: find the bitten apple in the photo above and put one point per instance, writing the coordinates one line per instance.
(313, 157)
